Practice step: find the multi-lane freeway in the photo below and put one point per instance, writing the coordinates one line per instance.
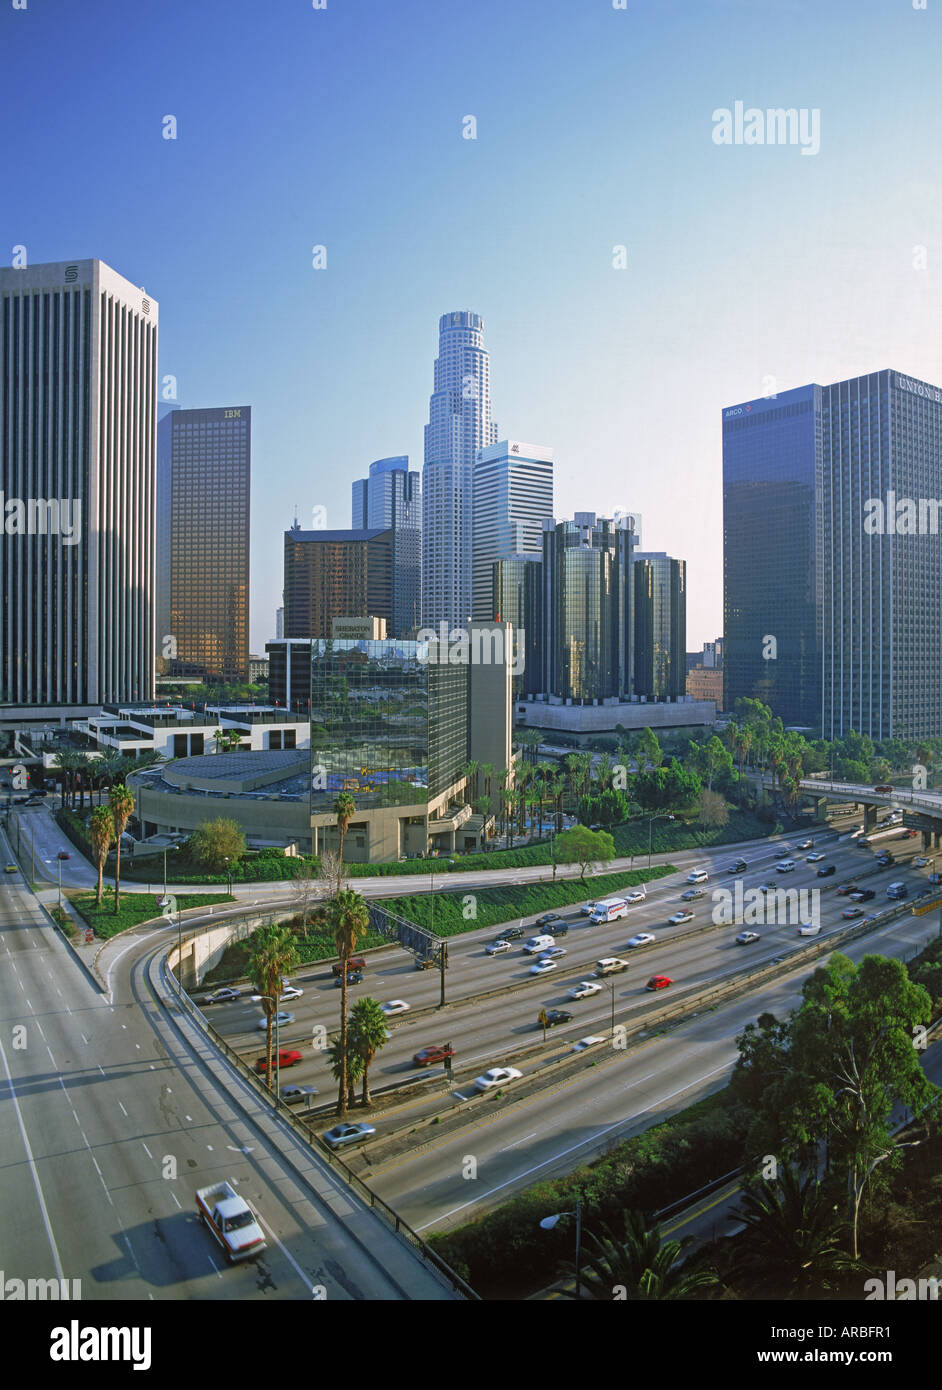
(111, 1117)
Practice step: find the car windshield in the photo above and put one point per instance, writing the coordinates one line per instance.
(237, 1222)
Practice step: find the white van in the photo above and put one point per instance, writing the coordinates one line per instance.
(785, 866)
(608, 910)
(539, 943)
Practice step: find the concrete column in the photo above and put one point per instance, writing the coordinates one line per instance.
(870, 819)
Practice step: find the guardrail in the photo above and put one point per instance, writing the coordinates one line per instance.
(336, 1163)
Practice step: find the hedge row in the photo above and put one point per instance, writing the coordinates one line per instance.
(490, 906)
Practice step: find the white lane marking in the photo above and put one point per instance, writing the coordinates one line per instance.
(147, 1150)
(58, 991)
(32, 1167)
(39, 1029)
(51, 1058)
(724, 1066)
(122, 1109)
(101, 1069)
(84, 1039)
(520, 1141)
(214, 1265)
(292, 1262)
(176, 1199)
(132, 945)
(190, 1118)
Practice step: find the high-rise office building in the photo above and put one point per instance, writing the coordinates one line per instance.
(660, 637)
(833, 590)
(335, 574)
(517, 598)
(203, 487)
(588, 608)
(390, 499)
(513, 496)
(395, 723)
(459, 425)
(279, 623)
(772, 515)
(78, 401)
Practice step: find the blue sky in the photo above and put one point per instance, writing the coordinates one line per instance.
(342, 127)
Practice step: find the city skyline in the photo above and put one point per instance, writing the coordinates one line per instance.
(742, 263)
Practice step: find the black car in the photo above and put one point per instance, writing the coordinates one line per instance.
(863, 895)
(554, 1016)
(924, 893)
(885, 860)
(512, 934)
(739, 867)
(545, 919)
(556, 926)
(354, 977)
(826, 870)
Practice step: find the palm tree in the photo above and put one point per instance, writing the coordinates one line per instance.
(353, 1069)
(470, 771)
(508, 799)
(792, 1234)
(368, 1033)
(349, 920)
(109, 769)
(344, 809)
(487, 772)
(67, 761)
(274, 954)
(643, 1264)
(101, 833)
(122, 804)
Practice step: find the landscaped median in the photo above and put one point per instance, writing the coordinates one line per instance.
(133, 909)
(452, 914)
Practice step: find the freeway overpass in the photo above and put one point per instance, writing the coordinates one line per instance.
(922, 809)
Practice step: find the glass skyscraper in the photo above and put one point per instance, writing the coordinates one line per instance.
(335, 574)
(660, 637)
(390, 499)
(517, 598)
(459, 425)
(834, 621)
(588, 608)
(204, 486)
(78, 401)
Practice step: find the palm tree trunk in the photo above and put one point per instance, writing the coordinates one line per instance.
(117, 875)
(342, 1090)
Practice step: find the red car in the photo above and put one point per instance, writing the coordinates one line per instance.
(287, 1057)
(63, 854)
(846, 888)
(427, 1055)
(659, 982)
(354, 963)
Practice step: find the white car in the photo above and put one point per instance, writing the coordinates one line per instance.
(644, 938)
(921, 862)
(583, 1043)
(744, 937)
(698, 876)
(637, 895)
(542, 966)
(587, 908)
(583, 989)
(292, 992)
(785, 866)
(813, 858)
(496, 1076)
(395, 1006)
(282, 1017)
(685, 916)
(497, 948)
(807, 929)
(552, 952)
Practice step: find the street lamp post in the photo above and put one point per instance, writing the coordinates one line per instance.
(166, 848)
(228, 877)
(612, 983)
(548, 1223)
